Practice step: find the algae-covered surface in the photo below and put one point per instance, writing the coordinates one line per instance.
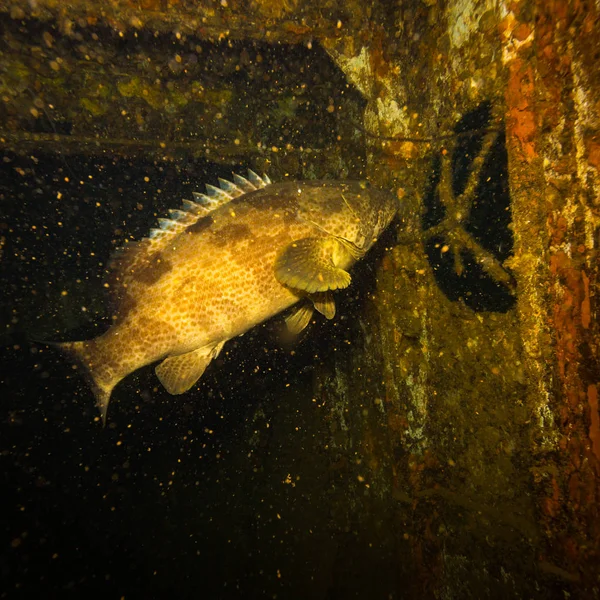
(174, 96)
(439, 437)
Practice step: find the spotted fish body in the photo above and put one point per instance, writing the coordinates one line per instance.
(224, 263)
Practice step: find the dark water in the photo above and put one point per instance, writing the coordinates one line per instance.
(165, 498)
(219, 493)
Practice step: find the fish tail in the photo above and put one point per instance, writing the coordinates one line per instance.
(100, 377)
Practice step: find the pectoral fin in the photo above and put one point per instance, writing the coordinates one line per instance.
(310, 265)
(300, 318)
(179, 373)
(324, 303)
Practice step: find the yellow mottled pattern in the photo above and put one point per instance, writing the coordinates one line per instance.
(216, 279)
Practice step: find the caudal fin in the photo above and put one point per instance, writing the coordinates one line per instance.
(99, 375)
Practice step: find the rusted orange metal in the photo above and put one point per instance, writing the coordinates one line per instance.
(553, 150)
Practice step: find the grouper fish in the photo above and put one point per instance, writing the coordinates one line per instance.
(223, 263)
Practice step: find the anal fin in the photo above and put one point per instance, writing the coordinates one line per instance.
(179, 373)
(300, 318)
(324, 303)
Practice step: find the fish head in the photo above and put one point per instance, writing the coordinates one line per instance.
(354, 211)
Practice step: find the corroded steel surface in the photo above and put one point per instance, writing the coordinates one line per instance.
(553, 129)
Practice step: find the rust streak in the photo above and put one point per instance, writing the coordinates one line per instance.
(594, 432)
(585, 303)
(519, 98)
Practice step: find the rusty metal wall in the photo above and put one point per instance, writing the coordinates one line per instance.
(460, 447)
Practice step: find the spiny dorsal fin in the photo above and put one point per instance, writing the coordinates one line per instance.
(135, 256)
